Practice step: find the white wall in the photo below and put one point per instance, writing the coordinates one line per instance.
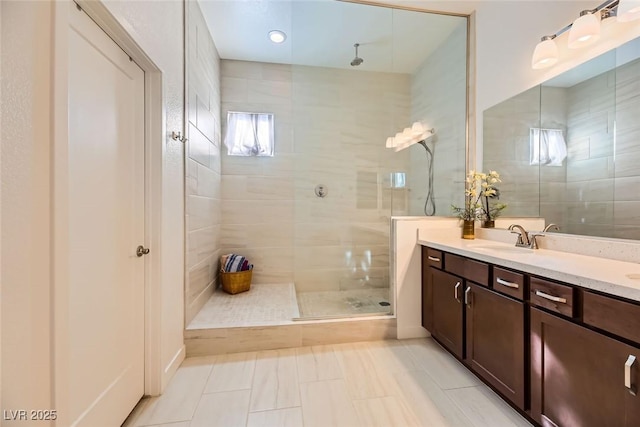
(25, 133)
(1, 406)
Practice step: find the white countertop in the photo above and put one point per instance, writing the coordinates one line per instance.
(601, 274)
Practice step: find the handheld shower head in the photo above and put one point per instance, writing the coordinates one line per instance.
(356, 61)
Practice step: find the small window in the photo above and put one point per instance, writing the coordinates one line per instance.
(249, 134)
(547, 147)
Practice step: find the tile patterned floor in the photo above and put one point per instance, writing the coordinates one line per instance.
(261, 305)
(277, 304)
(382, 383)
(348, 302)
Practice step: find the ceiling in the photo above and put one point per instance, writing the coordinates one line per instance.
(321, 33)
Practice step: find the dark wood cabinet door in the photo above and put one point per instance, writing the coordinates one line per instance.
(578, 376)
(495, 341)
(447, 310)
(427, 292)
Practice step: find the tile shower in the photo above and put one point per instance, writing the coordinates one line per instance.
(325, 257)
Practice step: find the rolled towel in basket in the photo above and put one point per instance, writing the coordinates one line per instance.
(234, 263)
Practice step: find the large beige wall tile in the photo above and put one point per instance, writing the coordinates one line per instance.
(203, 163)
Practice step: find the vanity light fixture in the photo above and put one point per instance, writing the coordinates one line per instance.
(628, 10)
(546, 53)
(277, 36)
(584, 30)
(418, 132)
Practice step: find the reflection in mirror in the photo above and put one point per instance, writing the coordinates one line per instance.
(590, 114)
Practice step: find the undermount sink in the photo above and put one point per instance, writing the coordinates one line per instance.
(501, 248)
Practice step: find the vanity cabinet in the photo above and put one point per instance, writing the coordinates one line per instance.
(484, 328)
(579, 377)
(496, 341)
(564, 355)
(430, 258)
(448, 310)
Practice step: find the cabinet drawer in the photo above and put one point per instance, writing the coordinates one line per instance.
(508, 282)
(618, 317)
(475, 271)
(553, 296)
(434, 258)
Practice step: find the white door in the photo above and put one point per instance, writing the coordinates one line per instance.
(106, 224)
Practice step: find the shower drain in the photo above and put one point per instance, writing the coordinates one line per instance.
(384, 303)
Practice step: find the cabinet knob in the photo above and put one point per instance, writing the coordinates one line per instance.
(455, 292)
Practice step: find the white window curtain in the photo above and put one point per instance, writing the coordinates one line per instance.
(249, 134)
(547, 147)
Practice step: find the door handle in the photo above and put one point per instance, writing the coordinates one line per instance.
(432, 258)
(627, 374)
(507, 284)
(466, 296)
(455, 292)
(551, 297)
(141, 250)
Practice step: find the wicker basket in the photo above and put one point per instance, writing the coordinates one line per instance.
(236, 282)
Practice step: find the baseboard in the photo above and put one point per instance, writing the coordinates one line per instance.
(412, 332)
(173, 366)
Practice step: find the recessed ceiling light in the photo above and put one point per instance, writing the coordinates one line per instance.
(277, 36)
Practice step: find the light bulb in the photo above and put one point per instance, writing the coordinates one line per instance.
(585, 30)
(277, 36)
(628, 10)
(545, 54)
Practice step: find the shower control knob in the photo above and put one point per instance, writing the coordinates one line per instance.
(141, 250)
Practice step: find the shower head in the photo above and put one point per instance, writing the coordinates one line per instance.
(356, 61)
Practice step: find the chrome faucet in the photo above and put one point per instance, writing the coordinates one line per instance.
(551, 226)
(523, 236)
(525, 239)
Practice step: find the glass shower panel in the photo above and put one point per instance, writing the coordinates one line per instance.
(342, 115)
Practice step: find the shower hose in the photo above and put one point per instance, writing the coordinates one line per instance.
(429, 204)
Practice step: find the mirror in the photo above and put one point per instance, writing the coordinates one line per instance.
(569, 150)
